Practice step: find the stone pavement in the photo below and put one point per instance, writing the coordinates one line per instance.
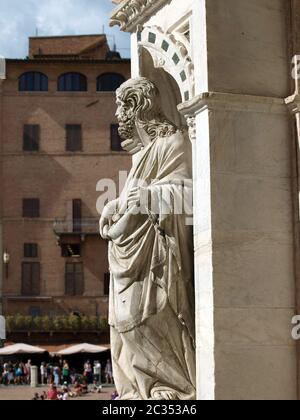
(21, 393)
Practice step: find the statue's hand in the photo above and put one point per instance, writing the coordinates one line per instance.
(138, 196)
(106, 218)
(134, 197)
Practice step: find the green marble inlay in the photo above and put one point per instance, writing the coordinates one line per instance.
(152, 38)
(176, 59)
(183, 76)
(165, 46)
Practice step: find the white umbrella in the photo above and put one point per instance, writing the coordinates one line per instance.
(21, 349)
(82, 348)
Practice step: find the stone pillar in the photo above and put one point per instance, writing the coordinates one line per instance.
(34, 376)
(293, 104)
(244, 255)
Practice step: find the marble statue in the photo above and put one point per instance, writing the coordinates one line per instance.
(150, 254)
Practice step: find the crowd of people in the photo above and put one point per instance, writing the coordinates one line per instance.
(66, 392)
(17, 373)
(57, 374)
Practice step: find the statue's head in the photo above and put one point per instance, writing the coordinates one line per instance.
(139, 105)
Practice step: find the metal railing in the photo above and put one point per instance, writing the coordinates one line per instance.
(79, 226)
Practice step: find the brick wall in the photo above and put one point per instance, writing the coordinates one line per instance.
(56, 177)
(93, 46)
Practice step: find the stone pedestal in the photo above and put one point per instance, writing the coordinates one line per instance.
(34, 375)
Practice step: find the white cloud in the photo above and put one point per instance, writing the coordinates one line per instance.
(20, 19)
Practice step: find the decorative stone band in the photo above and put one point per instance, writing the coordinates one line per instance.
(293, 103)
(222, 102)
(131, 13)
(171, 55)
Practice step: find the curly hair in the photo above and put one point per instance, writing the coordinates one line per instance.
(142, 96)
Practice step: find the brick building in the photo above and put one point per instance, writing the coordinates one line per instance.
(58, 138)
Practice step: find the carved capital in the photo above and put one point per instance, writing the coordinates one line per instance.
(191, 121)
(131, 13)
(293, 103)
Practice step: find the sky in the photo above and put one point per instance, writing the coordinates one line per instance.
(20, 19)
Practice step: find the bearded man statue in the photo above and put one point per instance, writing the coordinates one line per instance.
(150, 253)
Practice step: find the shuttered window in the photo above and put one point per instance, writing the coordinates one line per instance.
(31, 279)
(31, 207)
(77, 215)
(31, 138)
(109, 82)
(72, 82)
(106, 283)
(30, 251)
(115, 138)
(74, 279)
(73, 138)
(33, 81)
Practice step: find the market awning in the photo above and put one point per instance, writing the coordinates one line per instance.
(82, 348)
(21, 349)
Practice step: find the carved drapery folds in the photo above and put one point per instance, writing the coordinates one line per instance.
(134, 12)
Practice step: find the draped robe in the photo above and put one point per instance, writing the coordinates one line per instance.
(152, 295)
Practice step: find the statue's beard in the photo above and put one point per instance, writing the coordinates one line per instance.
(126, 129)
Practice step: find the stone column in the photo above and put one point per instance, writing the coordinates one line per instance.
(244, 252)
(293, 104)
(34, 376)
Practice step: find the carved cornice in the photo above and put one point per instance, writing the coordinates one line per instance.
(132, 13)
(191, 122)
(293, 103)
(220, 101)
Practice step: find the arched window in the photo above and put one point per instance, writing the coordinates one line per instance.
(33, 81)
(109, 82)
(72, 82)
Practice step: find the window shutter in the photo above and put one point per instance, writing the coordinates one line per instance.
(31, 207)
(31, 138)
(69, 280)
(70, 284)
(115, 138)
(77, 214)
(109, 82)
(26, 279)
(33, 81)
(79, 281)
(74, 279)
(106, 284)
(36, 284)
(74, 138)
(72, 82)
(30, 251)
(31, 279)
